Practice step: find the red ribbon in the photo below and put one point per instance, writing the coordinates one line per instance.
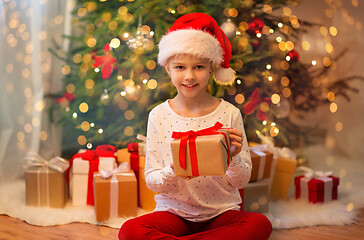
(93, 160)
(190, 137)
(133, 147)
(105, 151)
(255, 100)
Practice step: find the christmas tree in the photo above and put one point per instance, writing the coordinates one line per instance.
(112, 80)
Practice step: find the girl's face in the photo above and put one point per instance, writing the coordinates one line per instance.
(189, 74)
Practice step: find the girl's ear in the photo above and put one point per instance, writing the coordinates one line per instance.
(166, 66)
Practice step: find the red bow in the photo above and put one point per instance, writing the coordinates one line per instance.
(66, 96)
(108, 62)
(190, 137)
(105, 151)
(255, 100)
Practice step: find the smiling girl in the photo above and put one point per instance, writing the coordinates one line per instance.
(203, 207)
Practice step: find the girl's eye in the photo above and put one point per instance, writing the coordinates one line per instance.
(179, 67)
(200, 67)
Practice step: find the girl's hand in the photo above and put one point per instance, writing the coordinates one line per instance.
(236, 140)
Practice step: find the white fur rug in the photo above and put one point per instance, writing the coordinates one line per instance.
(283, 214)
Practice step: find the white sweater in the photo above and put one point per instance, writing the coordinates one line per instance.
(200, 198)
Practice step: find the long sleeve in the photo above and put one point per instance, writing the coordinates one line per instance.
(239, 171)
(159, 175)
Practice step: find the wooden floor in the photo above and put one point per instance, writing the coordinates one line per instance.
(11, 228)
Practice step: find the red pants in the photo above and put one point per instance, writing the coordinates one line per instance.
(227, 226)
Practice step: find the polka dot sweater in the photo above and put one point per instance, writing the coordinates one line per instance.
(200, 198)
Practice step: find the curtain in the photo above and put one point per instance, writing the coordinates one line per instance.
(29, 74)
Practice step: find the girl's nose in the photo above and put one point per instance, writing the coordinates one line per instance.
(190, 75)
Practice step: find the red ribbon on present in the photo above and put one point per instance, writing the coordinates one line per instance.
(105, 151)
(93, 160)
(133, 147)
(190, 137)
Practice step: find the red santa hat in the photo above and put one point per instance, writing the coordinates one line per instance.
(199, 34)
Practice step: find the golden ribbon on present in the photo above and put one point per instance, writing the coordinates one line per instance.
(124, 169)
(33, 159)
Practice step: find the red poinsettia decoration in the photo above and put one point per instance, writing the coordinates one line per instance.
(254, 102)
(107, 62)
(67, 97)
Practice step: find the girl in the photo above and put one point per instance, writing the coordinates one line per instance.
(204, 207)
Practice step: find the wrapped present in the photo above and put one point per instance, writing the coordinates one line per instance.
(201, 153)
(145, 195)
(316, 186)
(45, 181)
(138, 148)
(84, 164)
(261, 164)
(255, 196)
(282, 178)
(115, 193)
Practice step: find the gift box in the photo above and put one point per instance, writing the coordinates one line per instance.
(137, 163)
(261, 165)
(146, 196)
(84, 165)
(115, 195)
(282, 178)
(201, 153)
(45, 184)
(316, 190)
(138, 148)
(255, 196)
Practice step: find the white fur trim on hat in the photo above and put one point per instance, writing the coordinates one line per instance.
(224, 76)
(190, 41)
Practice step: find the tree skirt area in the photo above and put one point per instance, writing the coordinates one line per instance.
(283, 214)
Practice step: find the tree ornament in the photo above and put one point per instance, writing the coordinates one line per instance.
(107, 62)
(293, 56)
(255, 43)
(282, 109)
(141, 39)
(255, 26)
(254, 102)
(65, 99)
(229, 28)
(133, 92)
(104, 98)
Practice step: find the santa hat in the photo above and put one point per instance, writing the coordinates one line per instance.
(199, 34)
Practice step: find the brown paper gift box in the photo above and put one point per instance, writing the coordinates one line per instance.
(145, 195)
(45, 187)
(282, 178)
(212, 155)
(257, 164)
(255, 196)
(127, 202)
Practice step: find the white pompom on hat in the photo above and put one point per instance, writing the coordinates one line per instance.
(199, 34)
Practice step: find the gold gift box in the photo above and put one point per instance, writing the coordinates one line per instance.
(127, 202)
(45, 187)
(145, 195)
(257, 165)
(212, 155)
(282, 178)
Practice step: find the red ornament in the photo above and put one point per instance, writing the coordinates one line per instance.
(107, 62)
(254, 102)
(293, 55)
(255, 25)
(66, 97)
